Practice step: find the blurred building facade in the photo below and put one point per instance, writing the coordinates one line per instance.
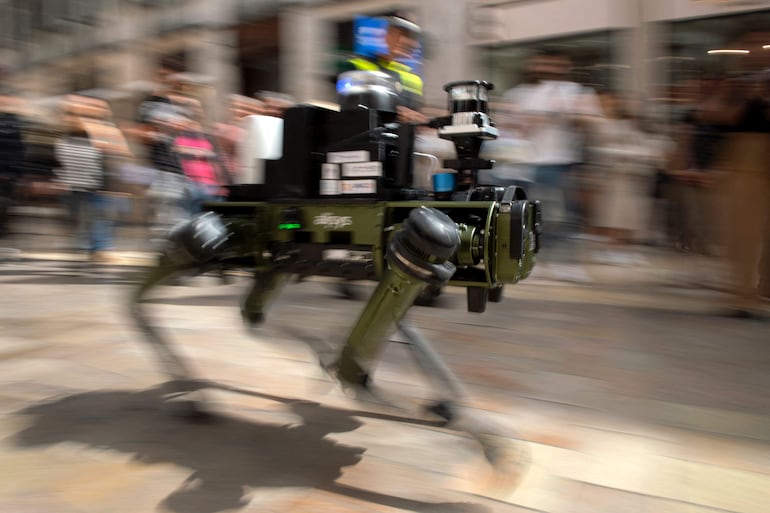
(644, 47)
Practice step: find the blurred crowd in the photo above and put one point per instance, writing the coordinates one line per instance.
(610, 169)
(605, 166)
(153, 168)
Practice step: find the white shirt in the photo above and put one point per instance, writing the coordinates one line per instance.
(548, 109)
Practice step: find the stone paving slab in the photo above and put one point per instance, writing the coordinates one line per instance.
(574, 371)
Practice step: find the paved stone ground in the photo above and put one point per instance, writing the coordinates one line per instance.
(631, 394)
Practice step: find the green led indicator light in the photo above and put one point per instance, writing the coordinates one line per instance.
(289, 226)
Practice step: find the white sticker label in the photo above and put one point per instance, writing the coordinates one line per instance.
(329, 187)
(361, 169)
(347, 255)
(339, 157)
(330, 221)
(358, 186)
(330, 171)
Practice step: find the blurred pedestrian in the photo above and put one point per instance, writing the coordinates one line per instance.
(168, 190)
(152, 136)
(556, 115)
(118, 188)
(693, 175)
(742, 106)
(11, 155)
(201, 165)
(159, 100)
(81, 171)
(625, 163)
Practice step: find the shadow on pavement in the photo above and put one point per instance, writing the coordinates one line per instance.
(226, 455)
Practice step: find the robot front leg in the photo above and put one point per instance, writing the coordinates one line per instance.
(171, 363)
(507, 455)
(452, 391)
(418, 255)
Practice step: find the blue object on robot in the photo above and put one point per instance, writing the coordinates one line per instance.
(444, 182)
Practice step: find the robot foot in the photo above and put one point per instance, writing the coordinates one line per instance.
(508, 456)
(253, 320)
(509, 460)
(441, 409)
(363, 392)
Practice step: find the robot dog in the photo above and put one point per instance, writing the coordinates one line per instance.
(339, 203)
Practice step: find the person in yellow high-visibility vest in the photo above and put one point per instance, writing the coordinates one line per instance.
(402, 40)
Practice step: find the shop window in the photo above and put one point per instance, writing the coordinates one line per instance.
(593, 63)
(259, 55)
(706, 47)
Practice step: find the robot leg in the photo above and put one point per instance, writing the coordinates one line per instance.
(190, 246)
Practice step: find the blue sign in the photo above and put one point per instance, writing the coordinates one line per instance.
(369, 36)
(369, 40)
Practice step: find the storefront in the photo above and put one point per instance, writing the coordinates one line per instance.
(598, 36)
(699, 39)
(650, 48)
(712, 46)
(259, 55)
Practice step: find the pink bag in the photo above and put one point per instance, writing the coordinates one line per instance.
(198, 168)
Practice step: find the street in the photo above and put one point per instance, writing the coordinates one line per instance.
(632, 395)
